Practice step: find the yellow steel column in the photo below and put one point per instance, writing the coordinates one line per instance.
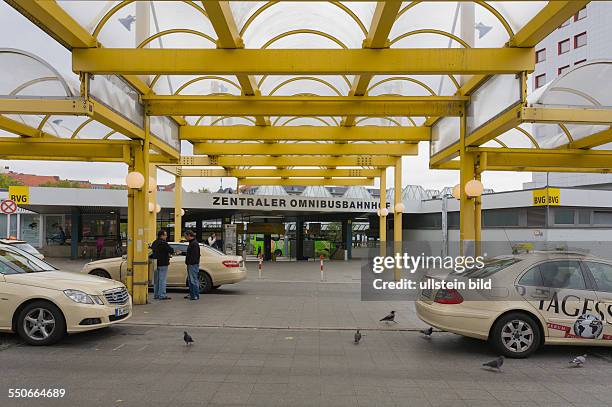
(383, 219)
(467, 208)
(153, 199)
(477, 218)
(129, 279)
(178, 207)
(397, 216)
(140, 263)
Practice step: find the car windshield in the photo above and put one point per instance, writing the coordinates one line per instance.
(490, 267)
(15, 261)
(26, 247)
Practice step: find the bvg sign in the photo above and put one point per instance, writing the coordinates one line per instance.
(19, 194)
(547, 196)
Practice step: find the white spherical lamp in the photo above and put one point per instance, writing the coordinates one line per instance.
(157, 208)
(152, 184)
(134, 180)
(182, 212)
(474, 188)
(457, 192)
(378, 212)
(384, 212)
(151, 206)
(399, 208)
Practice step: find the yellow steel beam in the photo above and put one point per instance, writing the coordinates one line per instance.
(305, 133)
(395, 149)
(555, 160)
(378, 37)
(593, 140)
(58, 149)
(103, 114)
(285, 161)
(307, 181)
(21, 129)
(146, 61)
(499, 125)
(228, 37)
(304, 105)
(56, 22)
(40, 106)
(576, 115)
(443, 156)
(261, 172)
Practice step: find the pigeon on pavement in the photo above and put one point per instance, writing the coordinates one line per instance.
(578, 361)
(389, 318)
(427, 332)
(187, 338)
(495, 364)
(357, 337)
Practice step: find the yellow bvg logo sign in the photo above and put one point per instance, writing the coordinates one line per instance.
(547, 196)
(19, 194)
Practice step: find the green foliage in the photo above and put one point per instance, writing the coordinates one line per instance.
(63, 183)
(7, 181)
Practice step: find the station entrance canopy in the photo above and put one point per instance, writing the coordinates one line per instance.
(309, 93)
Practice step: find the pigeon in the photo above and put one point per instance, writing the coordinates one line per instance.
(187, 338)
(495, 364)
(389, 318)
(427, 332)
(578, 361)
(357, 337)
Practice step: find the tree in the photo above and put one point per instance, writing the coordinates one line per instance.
(62, 183)
(203, 190)
(7, 181)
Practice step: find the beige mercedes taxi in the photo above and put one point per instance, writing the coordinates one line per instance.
(536, 298)
(42, 303)
(216, 268)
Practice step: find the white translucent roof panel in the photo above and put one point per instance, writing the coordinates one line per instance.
(196, 85)
(270, 190)
(415, 85)
(316, 191)
(322, 85)
(357, 192)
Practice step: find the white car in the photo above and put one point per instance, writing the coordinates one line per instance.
(42, 303)
(23, 245)
(536, 298)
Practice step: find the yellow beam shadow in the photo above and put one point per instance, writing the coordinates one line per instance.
(58, 149)
(307, 181)
(304, 105)
(396, 149)
(285, 161)
(418, 61)
(305, 133)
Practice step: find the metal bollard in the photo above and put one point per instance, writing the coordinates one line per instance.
(322, 272)
(259, 267)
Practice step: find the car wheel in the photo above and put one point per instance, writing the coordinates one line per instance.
(516, 335)
(100, 273)
(206, 284)
(41, 323)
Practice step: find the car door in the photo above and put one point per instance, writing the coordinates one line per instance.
(177, 271)
(563, 296)
(601, 274)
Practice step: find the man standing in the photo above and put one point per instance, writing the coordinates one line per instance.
(161, 252)
(192, 260)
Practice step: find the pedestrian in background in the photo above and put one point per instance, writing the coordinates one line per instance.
(192, 260)
(162, 252)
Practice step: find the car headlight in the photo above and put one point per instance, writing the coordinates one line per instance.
(79, 296)
(97, 299)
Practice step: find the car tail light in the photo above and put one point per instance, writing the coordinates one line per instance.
(230, 263)
(451, 296)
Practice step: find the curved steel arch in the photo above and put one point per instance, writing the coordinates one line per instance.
(124, 3)
(529, 136)
(481, 3)
(269, 4)
(176, 31)
(301, 117)
(217, 120)
(430, 31)
(305, 78)
(264, 77)
(80, 127)
(398, 124)
(31, 82)
(204, 78)
(402, 78)
(570, 139)
(304, 31)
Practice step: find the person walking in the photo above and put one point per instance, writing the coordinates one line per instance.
(161, 252)
(192, 260)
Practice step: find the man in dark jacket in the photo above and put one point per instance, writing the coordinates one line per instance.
(161, 251)
(192, 260)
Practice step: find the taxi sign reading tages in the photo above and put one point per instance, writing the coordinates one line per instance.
(19, 194)
(547, 196)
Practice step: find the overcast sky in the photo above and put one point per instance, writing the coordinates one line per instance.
(17, 32)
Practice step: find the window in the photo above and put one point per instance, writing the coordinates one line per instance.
(541, 55)
(500, 218)
(581, 14)
(602, 273)
(562, 274)
(566, 23)
(532, 278)
(14, 261)
(602, 218)
(564, 216)
(536, 217)
(563, 46)
(540, 80)
(563, 69)
(579, 62)
(580, 40)
(584, 217)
